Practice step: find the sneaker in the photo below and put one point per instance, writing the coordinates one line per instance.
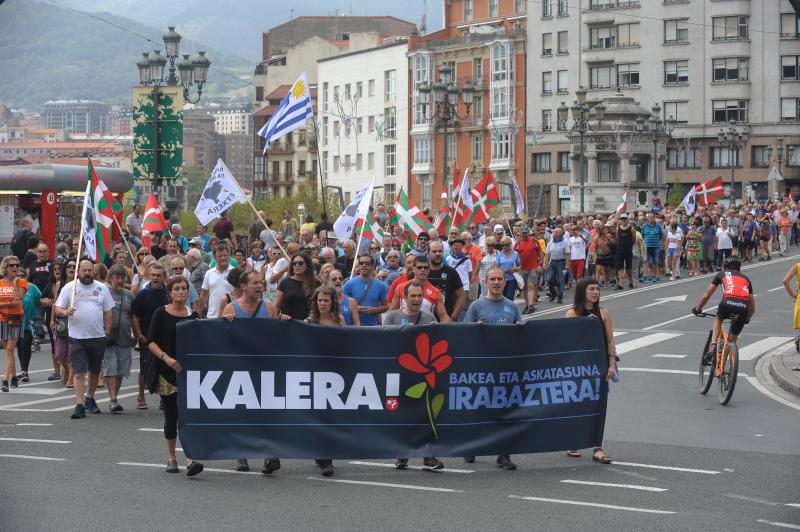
(504, 462)
(241, 465)
(270, 466)
(602, 284)
(630, 285)
(193, 469)
(469, 459)
(14, 382)
(401, 464)
(115, 407)
(91, 405)
(326, 468)
(4, 387)
(642, 279)
(432, 462)
(23, 377)
(672, 278)
(55, 376)
(678, 276)
(79, 413)
(172, 466)
(619, 287)
(560, 300)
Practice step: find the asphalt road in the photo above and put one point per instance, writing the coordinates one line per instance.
(682, 461)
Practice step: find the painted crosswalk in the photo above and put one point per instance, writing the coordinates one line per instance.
(751, 351)
(644, 341)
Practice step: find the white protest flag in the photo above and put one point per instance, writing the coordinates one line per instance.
(358, 208)
(689, 203)
(465, 193)
(220, 194)
(520, 206)
(89, 229)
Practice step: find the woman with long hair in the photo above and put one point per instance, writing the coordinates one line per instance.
(163, 368)
(233, 279)
(61, 329)
(348, 306)
(295, 291)
(587, 303)
(12, 291)
(49, 292)
(509, 261)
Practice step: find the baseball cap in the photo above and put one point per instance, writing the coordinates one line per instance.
(525, 229)
(196, 240)
(498, 228)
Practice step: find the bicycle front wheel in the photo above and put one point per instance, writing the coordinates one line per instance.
(730, 369)
(705, 373)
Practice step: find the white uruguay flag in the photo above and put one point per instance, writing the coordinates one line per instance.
(220, 194)
(358, 208)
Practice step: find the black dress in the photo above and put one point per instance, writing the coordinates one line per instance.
(162, 332)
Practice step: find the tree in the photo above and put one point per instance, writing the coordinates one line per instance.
(675, 194)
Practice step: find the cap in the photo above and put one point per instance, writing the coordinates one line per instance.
(525, 229)
(498, 228)
(623, 216)
(196, 240)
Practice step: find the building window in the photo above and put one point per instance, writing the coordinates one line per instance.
(451, 148)
(607, 170)
(760, 158)
(477, 147)
(732, 28)
(324, 130)
(422, 150)
(371, 124)
(347, 94)
(390, 85)
(676, 72)
(609, 4)
(467, 9)
(790, 25)
(371, 161)
(547, 119)
(547, 44)
(604, 37)
(325, 162)
(628, 75)
(359, 161)
(794, 155)
(477, 109)
(325, 96)
(628, 34)
(727, 110)
(499, 104)
(360, 125)
(563, 81)
(360, 89)
(547, 82)
(390, 122)
(494, 8)
(721, 157)
(500, 63)
(730, 69)
(790, 109)
(519, 6)
(390, 160)
(564, 161)
(477, 71)
(615, 36)
(541, 162)
(301, 167)
(427, 189)
(789, 67)
(336, 163)
(603, 77)
(335, 128)
(683, 158)
(563, 8)
(547, 8)
(276, 170)
(389, 193)
(678, 111)
(371, 87)
(563, 42)
(676, 30)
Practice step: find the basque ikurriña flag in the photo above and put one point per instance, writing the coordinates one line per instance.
(100, 207)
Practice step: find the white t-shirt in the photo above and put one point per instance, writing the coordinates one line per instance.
(577, 248)
(217, 285)
(724, 239)
(674, 239)
(463, 269)
(91, 301)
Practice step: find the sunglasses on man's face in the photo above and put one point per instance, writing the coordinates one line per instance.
(364, 263)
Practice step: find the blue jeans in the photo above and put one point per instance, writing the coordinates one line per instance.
(555, 277)
(510, 289)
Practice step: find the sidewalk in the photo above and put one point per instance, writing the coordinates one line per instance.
(780, 369)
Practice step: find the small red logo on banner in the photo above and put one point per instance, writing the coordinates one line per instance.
(392, 403)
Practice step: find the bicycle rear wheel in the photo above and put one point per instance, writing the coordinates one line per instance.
(705, 373)
(730, 369)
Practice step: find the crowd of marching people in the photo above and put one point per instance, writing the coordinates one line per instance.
(97, 314)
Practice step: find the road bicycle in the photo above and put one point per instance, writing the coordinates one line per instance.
(725, 366)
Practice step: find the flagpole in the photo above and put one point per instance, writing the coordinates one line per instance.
(319, 167)
(80, 247)
(361, 235)
(256, 211)
(127, 244)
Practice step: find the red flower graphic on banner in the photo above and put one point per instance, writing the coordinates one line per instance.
(428, 362)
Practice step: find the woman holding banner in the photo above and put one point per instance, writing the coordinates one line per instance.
(587, 303)
(295, 291)
(163, 369)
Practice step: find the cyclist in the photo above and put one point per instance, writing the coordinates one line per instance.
(737, 303)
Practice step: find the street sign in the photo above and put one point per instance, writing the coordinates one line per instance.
(774, 175)
(660, 300)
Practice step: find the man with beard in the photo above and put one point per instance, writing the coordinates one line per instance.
(447, 280)
(89, 321)
(147, 300)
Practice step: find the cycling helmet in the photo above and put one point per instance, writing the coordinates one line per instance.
(733, 263)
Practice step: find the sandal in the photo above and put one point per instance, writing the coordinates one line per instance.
(599, 456)
(141, 404)
(574, 454)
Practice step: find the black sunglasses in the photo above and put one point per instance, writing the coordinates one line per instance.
(299, 263)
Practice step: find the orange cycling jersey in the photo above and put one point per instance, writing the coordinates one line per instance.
(735, 285)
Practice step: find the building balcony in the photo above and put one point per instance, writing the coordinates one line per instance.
(605, 5)
(281, 148)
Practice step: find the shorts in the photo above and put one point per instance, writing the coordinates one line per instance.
(625, 260)
(653, 255)
(61, 344)
(736, 310)
(672, 252)
(87, 354)
(530, 277)
(117, 361)
(10, 333)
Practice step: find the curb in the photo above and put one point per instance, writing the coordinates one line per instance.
(780, 374)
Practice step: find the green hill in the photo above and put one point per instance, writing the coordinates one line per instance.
(49, 52)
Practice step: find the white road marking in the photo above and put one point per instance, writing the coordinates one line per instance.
(620, 333)
(593, 504)
(751, 351)
(99, 401)
(36, 391)
(34, 424)
(145, 429)
(384, 464)
(659, 370)
(644, 341)
(795, 505)
(33, 440)
(758, 386)
(386, 485)
(28, 457)
(660, 300)
(779, 524)
(669, 468)
(750, 499)
(776, 288)
(70, 394)
(612, 485)
(210, 469)
(669, 356)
